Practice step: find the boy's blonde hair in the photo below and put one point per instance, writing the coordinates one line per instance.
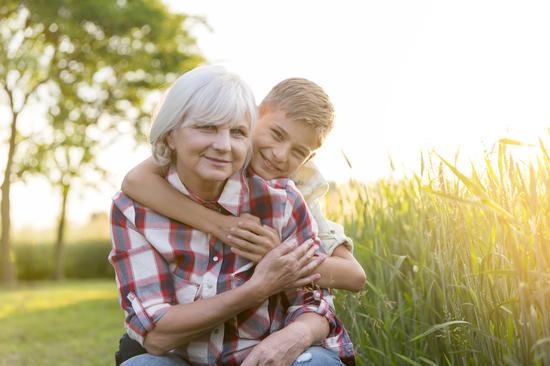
(303, 101)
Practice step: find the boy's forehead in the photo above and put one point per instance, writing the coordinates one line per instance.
(300, 132)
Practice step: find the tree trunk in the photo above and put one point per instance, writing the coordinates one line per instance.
(8, 268)
(60, 239)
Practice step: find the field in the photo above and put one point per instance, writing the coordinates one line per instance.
(74, 323)
(458, 269)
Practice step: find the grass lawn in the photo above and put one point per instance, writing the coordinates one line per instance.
(72, 323)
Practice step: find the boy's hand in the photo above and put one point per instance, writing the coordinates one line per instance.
(222, 227)
(252, 240)
(288, 266)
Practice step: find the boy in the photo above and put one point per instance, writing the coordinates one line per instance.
(294, 119)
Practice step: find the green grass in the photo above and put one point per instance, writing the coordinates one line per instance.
(458, 265)
(74, 323)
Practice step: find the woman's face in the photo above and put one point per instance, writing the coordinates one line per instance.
(207, 155)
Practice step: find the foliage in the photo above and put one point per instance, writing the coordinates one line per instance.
(458, 265)
(90, 65)
(87, 259)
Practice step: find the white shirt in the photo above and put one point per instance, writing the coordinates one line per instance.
(313, 186)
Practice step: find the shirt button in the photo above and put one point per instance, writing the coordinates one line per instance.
(316, 295)
(209, 284)
(215, 258)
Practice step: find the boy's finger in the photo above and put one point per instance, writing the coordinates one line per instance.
(249, 217)
(307, 257)
(251, 257)
(244, 245)
(252, 238)
(245, 234)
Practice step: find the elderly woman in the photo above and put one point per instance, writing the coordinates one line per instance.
(189, 299)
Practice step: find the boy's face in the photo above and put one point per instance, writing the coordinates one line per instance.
(280, 145)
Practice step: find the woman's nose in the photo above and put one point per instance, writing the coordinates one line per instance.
(222, 140)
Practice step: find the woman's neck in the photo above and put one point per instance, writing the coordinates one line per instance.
(203, 189)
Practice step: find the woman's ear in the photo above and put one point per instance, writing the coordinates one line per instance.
(169, 138)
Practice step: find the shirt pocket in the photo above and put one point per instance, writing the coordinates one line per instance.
(186, 291)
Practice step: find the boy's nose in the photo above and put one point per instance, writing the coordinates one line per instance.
(280, 153)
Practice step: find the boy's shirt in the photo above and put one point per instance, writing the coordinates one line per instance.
(313, 186)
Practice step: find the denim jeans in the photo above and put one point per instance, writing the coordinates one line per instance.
(313, 356)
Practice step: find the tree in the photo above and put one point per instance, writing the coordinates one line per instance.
(91, 65)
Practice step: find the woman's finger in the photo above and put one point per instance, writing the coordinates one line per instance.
(301, 250)
(307, 257)
(304, 281)
(312, 265)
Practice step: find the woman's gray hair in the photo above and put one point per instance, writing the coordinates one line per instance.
(206, 95)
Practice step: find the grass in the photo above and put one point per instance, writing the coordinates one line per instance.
(458, 265)
(74, 323)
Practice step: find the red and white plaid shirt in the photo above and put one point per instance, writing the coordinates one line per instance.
(160, 262)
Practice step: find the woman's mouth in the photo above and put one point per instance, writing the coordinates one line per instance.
(217, 160)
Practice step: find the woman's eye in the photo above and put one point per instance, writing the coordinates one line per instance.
(238, 132)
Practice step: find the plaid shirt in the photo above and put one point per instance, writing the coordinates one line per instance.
(160, 262)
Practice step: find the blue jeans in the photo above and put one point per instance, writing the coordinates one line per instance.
(313, 356)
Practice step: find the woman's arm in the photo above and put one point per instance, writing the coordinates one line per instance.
(145, 184)
(285, 345)
(183, 322)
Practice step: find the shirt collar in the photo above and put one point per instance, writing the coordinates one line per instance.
(232, 196)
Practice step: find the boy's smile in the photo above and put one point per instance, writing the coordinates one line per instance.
(281, 145)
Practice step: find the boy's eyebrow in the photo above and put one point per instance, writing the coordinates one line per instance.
(282, 131)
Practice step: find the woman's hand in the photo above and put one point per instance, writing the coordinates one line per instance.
(280, 348)
(287, 266)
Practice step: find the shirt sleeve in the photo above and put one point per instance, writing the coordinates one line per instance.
(319, 301)
(331, 234)
(144, 283)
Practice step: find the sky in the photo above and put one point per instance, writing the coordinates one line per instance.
(404, 76)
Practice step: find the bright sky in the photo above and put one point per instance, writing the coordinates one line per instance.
(404, 76)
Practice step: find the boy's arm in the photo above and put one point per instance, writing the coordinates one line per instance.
(341, 270)
(145, 184)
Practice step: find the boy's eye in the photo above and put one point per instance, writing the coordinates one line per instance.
(277, 135)
(299, 154)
